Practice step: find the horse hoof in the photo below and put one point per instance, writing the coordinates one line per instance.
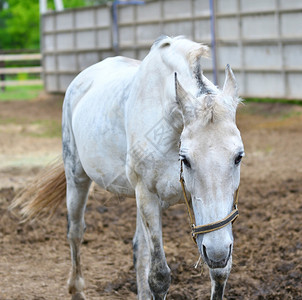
(78, 296)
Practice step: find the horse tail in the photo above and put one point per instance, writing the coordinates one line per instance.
(44, 194)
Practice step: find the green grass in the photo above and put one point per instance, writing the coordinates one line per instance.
(291, 115)
(20, 93)
(38, 128)
(47, 129)
(10, 120)
(271, 100)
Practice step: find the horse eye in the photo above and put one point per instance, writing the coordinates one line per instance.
(238, 159)
(186, 162)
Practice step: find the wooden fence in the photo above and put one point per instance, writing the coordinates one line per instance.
(6, 71)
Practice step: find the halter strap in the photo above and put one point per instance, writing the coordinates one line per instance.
(202, 229)
(182, 182)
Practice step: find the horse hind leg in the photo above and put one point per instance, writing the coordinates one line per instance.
(78, 184)
(77, 188)
(76, 202)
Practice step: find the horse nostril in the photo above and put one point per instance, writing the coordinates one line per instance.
(204, 252)
(212, 263)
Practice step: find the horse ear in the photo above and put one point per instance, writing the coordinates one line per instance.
(185, 101)
(230, 83)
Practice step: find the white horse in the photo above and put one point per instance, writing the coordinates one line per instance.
(123, 121)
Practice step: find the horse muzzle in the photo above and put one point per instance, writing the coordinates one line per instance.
(216, 263)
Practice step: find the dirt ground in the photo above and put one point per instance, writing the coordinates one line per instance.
(34, 258)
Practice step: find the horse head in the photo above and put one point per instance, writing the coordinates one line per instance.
(211, 151)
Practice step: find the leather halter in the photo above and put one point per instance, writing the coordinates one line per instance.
(202, 229)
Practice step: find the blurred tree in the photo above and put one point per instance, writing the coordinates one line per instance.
(2, 4)
(19, 21)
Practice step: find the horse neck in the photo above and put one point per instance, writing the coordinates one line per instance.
(158, 88)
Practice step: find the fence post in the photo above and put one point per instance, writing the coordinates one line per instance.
(213, 40)
(114, 7)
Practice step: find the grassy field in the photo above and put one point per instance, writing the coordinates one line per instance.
(272, 100)
(20, 93)
(25, 119)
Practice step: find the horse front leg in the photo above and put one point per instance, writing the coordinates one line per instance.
(219, 278)
(141, 260)
(156, 269)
